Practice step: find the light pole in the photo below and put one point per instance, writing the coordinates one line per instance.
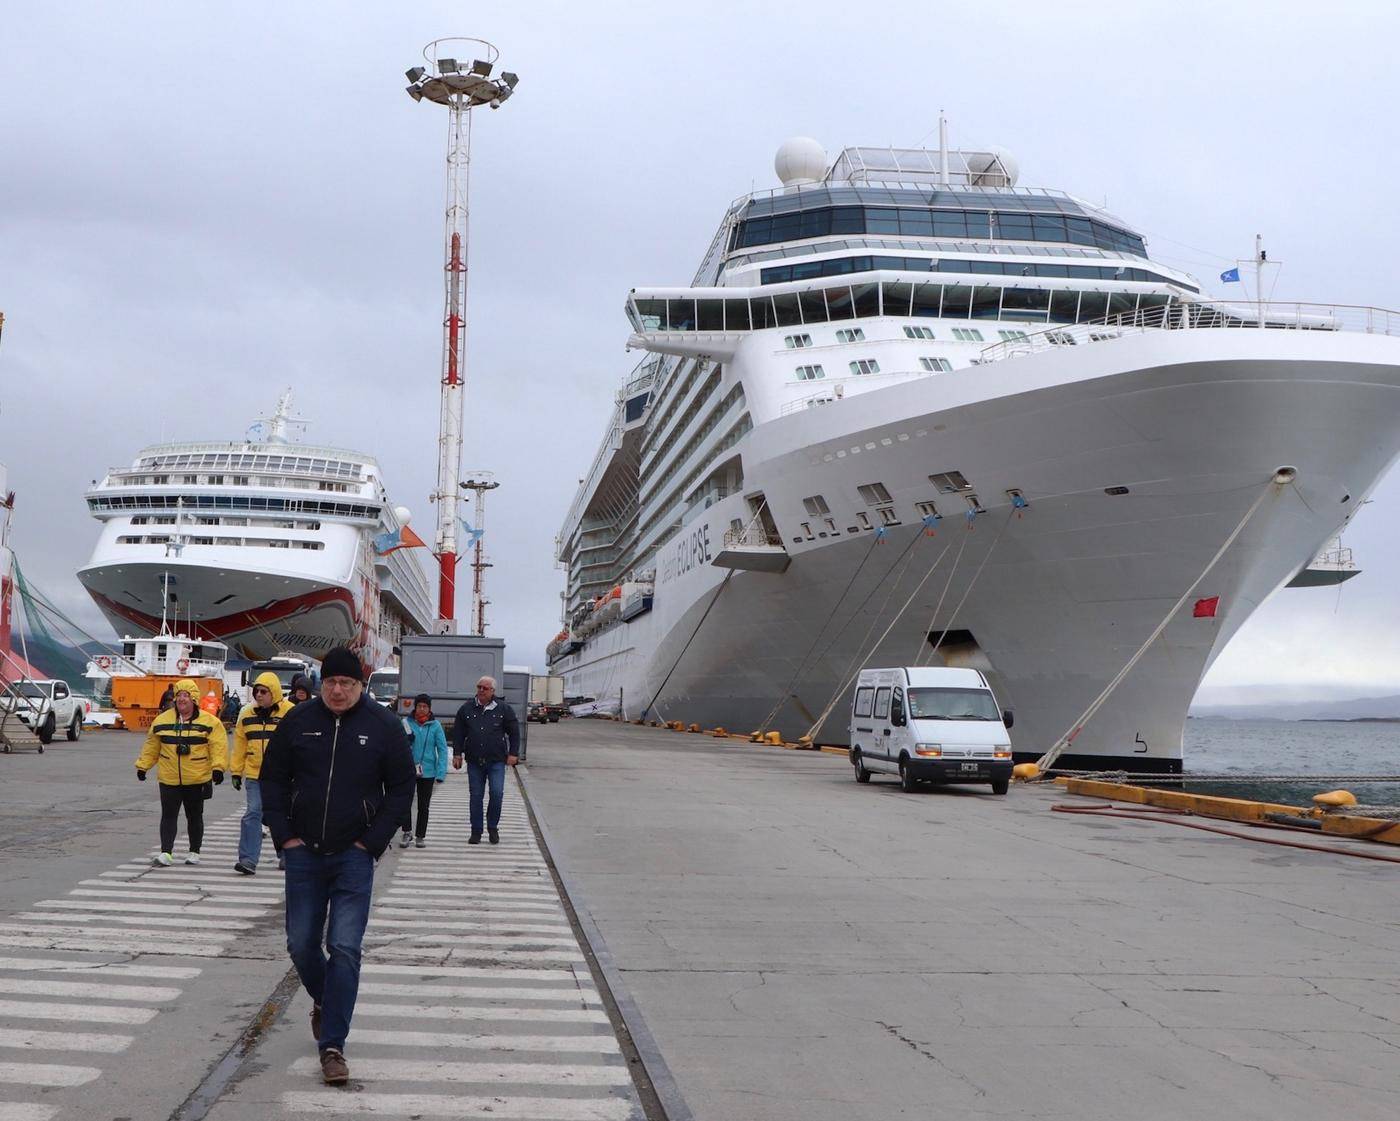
(460, 86)
(479, 563)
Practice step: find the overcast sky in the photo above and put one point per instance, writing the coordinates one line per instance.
(201, 205)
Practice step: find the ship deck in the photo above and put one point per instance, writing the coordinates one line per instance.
(803, 947)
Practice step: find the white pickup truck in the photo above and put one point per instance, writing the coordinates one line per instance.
(45, 706)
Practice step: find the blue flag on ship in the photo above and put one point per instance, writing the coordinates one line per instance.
(473, 535)
(1230, 276)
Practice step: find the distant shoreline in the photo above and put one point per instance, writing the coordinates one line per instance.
(1350, 720)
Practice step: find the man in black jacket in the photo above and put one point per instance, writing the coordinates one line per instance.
(337, 778)
(487, 733)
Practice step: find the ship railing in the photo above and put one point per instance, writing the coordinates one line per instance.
(752, 537)
(1255, 315)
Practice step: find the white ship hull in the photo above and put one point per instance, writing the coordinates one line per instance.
(1055, 598)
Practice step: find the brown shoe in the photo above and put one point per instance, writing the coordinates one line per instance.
(316, 1022)
(333, 1069)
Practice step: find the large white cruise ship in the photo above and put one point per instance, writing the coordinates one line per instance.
(266, 545)
(911, 413)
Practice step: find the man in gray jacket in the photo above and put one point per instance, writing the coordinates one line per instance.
(487, 734)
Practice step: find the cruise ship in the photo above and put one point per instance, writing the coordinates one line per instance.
(909, 412)
(266, 545)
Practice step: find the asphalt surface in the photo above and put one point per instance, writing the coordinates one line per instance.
(783, 943)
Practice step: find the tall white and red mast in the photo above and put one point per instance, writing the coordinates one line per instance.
(459, 85)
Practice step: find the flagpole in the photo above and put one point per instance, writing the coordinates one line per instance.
(1259, 276)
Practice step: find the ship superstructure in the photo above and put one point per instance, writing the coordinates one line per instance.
(266, 545)
(909, 412)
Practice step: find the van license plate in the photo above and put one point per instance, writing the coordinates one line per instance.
(969, 766)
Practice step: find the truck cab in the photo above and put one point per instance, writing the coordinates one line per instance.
(934, 724)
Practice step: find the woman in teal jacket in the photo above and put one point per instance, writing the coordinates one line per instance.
(430, 761)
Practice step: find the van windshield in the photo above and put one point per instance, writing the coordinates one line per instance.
(952, 704)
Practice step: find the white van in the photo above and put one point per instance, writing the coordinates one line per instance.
(929, 724)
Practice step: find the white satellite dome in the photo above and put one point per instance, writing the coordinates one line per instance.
(404, 514)
(980, 163)
(800, 160)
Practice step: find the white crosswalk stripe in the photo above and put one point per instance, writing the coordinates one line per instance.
(475, 998)
(134, 909)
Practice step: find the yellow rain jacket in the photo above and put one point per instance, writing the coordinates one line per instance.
(255, 727)
(202, 734)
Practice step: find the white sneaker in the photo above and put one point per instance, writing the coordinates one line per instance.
(406, 839)
(164, 860)
(193, 858)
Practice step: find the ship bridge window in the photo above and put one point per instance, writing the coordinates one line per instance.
(1006, 225)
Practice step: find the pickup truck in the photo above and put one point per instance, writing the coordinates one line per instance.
(46, 706)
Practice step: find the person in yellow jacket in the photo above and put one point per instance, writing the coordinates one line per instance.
(255, 725)
(192, 751)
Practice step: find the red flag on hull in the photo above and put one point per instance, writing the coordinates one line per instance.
(1205, 608)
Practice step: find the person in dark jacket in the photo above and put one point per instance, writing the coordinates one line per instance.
(337, 778)
(487, 734)
(300, 689)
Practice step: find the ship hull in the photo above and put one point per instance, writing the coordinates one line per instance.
(257, 614)
(1053, 599)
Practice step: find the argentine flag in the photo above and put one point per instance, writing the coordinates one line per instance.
(1230, 276)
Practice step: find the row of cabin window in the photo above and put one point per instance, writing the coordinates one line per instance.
(249, 462)
(863, 366)
(840, 266)
(255, 542)
(229, 502)
(921, 222)
(962, 334)
(897, 298)
(266, 523)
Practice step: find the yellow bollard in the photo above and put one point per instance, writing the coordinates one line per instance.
(774, 738)
(693, 728)
(1334, 798)
(719, 733)
(1024, 772)
(755, 737)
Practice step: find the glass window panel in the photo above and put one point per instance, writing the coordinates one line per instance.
(813, 306)
(839, 303)
(680, 315)
(978, 223)
(1025, 303)
(1081, 231)
(957, 301)
(878, 221)
(806, 270)
(1122, 303)
(926, 300)
(1064, 306)
(786, 227)
(915, 223)
(1014, 227)
(867, 300)
(1049, 227)
(761, 308)
(950, 223)
(1092, 305)
(986, 302)
(736, 315)
(897, 297)
(787, 310)
(816, 223)
(711, 315)
(653, 314)
(848, 220)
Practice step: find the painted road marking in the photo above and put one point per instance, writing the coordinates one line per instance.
(444, 1105)
(90, 1013)
(86, 989)
(465, 1012)
(416, 1070)
(26, 1111)
(87, 1042)
(481, 992)
(48, 1074)
(488, 1041)
(113, 969)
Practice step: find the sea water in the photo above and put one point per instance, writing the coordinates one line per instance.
(1213, 745)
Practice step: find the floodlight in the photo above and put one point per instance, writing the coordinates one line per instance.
(415, 92)
(501, 95)
(495, 103)
(415, 74)
(447, 65)
(482, 68)
(509, 79)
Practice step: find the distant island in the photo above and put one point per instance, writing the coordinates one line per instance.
(1350, 720)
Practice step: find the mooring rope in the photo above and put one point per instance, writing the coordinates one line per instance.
(1281, 478)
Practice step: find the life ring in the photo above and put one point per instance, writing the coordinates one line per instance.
(182, 665)
(104, 662)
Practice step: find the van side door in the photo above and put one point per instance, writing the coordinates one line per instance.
(865, 732)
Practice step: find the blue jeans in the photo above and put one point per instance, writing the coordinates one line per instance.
(250, 830)
(477, 778)
(343, 883)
